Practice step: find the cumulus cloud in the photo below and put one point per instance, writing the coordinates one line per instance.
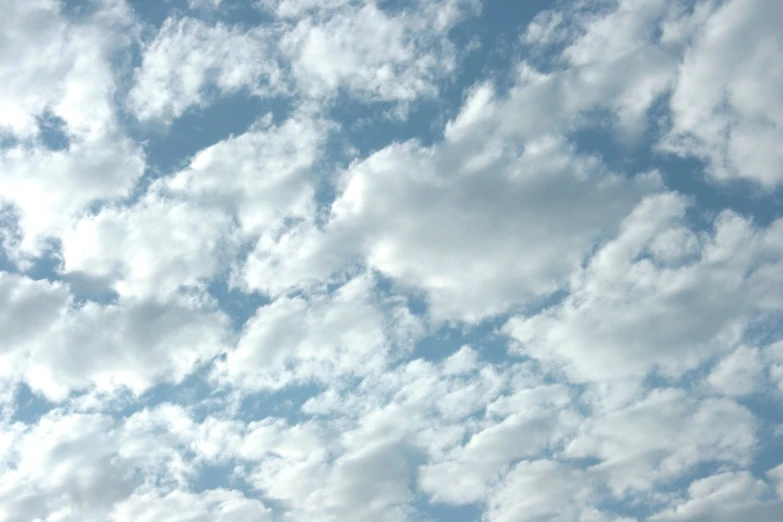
(370, 52)
(262, 177)
(659, 296)
(153, 248)
(726, 105)
(513, 302)
(188, 58)
(63, 467)
(217, 505)
(68, 75)
(399, 210)
(57, 344)
(297, 340)
(727, 496)
(662, 436)
(711, 64)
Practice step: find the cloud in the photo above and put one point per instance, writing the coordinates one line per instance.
(429, 219)
(521, 497)
(58, 345)
(402, 208)
(68, 75)
(188, 58)
(523, 425)
(216, 505)
(67, 66)
(372, 53)
(298, 340)
(662, 436)
(711, 64)
(153, 248)
(262, 177)
(727, 496)
(739, 373)
(659, 296)
(63, 467)
(513, 302)
(726, 105)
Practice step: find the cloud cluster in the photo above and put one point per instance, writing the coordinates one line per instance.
(558, 298)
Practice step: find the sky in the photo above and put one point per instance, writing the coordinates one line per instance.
(391, 260)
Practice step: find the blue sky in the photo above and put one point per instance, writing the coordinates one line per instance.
(391, 260)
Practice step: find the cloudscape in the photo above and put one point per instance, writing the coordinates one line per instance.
(391, 260)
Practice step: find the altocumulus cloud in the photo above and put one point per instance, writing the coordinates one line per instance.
(395, 261)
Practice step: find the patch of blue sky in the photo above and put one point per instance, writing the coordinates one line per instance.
(29, 407)
(484, 338)
(282, 404)
(52, 132)
(238, 305)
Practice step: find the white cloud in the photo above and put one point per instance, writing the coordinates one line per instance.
(67, 74)
(188, 58)
(523, 425)
(48, 189)
(204, 4)
(152, 248)
(63, 469)
(662, 436)
(298, 8)
(67, 68)
(773, 356)
(297, 340)
(738, 374)
(181, 506)
(725, 497)
(476, 234)
(57, 345)
(642, 344)
(716, 60)
(374, 54)
(91, 467)
(544, 490)
(727, 105)
(631, 311)
(262, 177)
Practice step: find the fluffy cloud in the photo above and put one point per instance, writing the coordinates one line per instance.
(57, 344)
(321, 48)
(188, 58)
(659, 296)
(180, 506)
(429, 218)
(403, 208)
(476, 319)
(67, 68)
(263, 177)
(63, 468)
(371, 52)
(712, 64)
(569, 495)
(726, 105)
(728, 496)
(297, 340)
(522, 425)
(67, 75)
(662, 436)
(738, 374)
(153, 248)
